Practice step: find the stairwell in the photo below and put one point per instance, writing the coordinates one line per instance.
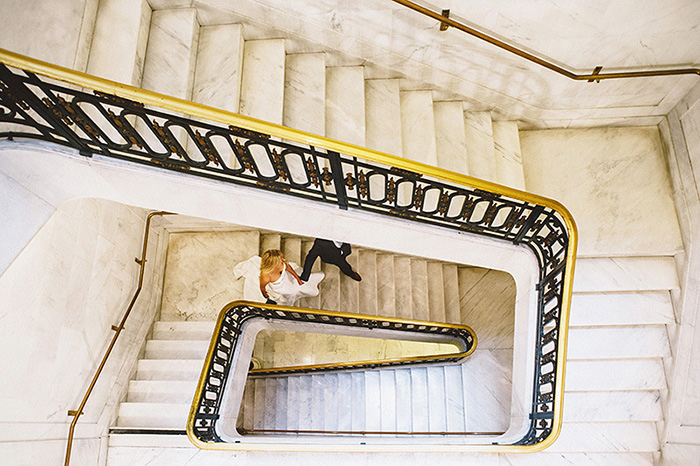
(621, 314)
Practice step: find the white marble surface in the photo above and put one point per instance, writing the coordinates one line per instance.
(23, 214)
(56, 323)
(305, 92)
(621, 308)
(450, 136)
(199, 278)
(345, 104)
(41, 30)
(262, 83)
(418, 126)
(217, 79)
(118, 45)
(396, 38)
(625, 274)
(383, 115)
(171, 52)
(509, 159)
(682, 140)
(478, 135)
(615, 183)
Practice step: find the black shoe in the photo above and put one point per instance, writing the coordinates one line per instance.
(356, 276)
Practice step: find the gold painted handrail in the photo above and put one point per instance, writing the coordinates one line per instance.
(596, 75)
(192, 109)
(117, 330)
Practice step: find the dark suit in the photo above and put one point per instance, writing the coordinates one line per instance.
(330, 254)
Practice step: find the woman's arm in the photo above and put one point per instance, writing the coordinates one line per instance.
(263, 283)
(294, 274)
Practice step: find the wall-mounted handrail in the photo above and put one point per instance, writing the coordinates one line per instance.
(96, 116)
(117, 331)
(596, 75)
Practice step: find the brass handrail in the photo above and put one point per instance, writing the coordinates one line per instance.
(596, 75)
(117, 330)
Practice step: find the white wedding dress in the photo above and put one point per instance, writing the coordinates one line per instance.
(285, 290)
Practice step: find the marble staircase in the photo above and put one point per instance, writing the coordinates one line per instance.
(162, 389)
(619, 339)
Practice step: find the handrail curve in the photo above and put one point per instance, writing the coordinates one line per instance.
(117, 331)
(230, 329)
(237, 149)
(596, 75)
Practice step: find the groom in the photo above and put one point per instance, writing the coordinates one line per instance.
(330, 252)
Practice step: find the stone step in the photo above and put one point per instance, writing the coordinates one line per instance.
(624, 406)
(604, 309)
(615, 375)
(161, 391)
(262, 80)
(625, 274)
(603, 437)
(217, 76)
(480, 147)
(153, 415)
(436, 292)
(591, 458)
(383, 115)
(329, 290)
(305, 93)
(291, 248)
(174, 369)
(183, 330)
(349, 288)
(632, 342)
(509, 159)
(450, 278)
(270, 241)
(450, 137)
(402, 287)
(367, 263)
(386, 294)
(418, 126)
(176, 349)
(345, 104)
(420, 309)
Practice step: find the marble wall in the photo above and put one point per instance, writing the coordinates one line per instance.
(57, 34)
(681, 134)
(199, 279)
(60, 297)
(614, 181)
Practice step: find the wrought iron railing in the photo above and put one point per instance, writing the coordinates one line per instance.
(229, 329)
(144, 127)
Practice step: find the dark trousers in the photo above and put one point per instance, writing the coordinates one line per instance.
(330, 254)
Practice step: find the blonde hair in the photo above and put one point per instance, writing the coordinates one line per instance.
(270, 260)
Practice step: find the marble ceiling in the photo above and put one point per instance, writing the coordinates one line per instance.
(393, 41)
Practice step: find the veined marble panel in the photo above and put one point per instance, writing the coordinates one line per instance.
(217, 80)
(262, 84)
(450, 136)
(625, 274)
(509, 159)
(615, 183)
(170, 56)
(640, 308)
(418, 127)
(199, 278)
(40, 30)
(345, 104)
(119, 43)
(61, 296)
(478, 131)
(305, 92)
(383, 114)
